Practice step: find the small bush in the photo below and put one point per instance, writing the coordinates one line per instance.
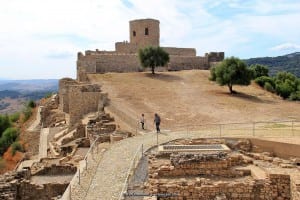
(2, 163)
(284, 90)
(259, 70)
(14, 117)
(16, 146)
(213, 75)
(269, 87)
(295, 96)
(48, 95)
(8, 137)
(27, 113)
(263, 79)
(31, 104)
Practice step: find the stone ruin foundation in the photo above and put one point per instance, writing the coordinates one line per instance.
(239, 174)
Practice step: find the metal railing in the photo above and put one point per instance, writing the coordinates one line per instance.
(81, 181)
(134, 162)
(78, 188)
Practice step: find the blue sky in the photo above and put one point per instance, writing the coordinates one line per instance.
(40, 39)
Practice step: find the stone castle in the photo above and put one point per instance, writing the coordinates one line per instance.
(143, 33)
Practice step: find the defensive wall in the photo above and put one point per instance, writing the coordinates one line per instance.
(142, 33)
(78, 99)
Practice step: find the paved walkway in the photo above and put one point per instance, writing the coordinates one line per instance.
(108, 181)
(36, 122)
(43, 143)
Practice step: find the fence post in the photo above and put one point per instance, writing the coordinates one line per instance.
(157, 140)
(293, 128)
(79, 175)
(86, 163)
(70, 195)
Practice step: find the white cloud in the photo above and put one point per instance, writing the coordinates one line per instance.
(34, 33)
(286, 46)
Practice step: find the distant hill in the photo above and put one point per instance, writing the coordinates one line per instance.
(29, 85)
(13, 93)
(289, 63)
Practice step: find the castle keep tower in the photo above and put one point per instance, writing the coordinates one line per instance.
(144, 32)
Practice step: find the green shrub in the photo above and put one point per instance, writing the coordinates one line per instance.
(16, 146)
(295, 96)
(263, 79)
(284, 89)
(4, 123)
(31, 104)
(14, 117)
(8, 137)
(2, 163)
(213, 75)
(48, 95)
(269, 87)
(259, 70)
(27, 113)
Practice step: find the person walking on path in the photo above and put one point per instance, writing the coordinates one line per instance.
(142, 121)
(157, 122)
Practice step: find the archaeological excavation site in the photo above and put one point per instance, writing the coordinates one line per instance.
(86, 141)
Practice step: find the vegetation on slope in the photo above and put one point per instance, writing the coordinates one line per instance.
(289, 63)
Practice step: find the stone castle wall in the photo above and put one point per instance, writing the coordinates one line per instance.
(78, 99)
(142, 33)
(117, 62)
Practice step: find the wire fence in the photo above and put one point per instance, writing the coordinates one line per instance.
(248, 129)
(80, 184)
(135, 160)
(81, 181)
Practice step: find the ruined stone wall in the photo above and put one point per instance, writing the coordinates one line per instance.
(216, 167)
(83, 99)
(63, 93)
(215, 56)
(275, 187)
(180, 51)
(78, 99)
(17, 185)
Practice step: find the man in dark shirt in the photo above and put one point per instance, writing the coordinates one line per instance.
(157, 122)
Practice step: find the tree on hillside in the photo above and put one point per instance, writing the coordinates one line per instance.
(259, 70)
(231, 71)
(153, 57)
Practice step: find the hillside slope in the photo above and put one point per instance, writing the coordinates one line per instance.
(188, 97)
(289, 62)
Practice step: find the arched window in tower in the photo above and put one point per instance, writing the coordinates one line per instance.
(146, 31)
(134, 33)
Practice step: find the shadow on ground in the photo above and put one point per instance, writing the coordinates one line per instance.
(163, 77)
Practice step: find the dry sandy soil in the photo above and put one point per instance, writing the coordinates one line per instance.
(188, 97)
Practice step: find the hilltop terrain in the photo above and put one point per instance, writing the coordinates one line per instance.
(188, 97)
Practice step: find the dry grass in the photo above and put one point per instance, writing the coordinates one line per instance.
(188, 97)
